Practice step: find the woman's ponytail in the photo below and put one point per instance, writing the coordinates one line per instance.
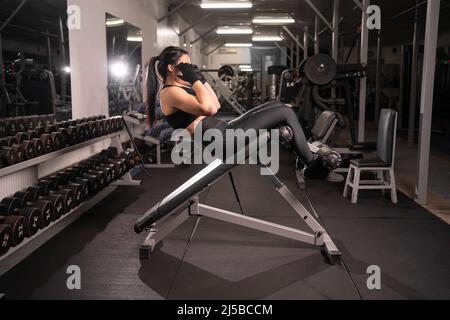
(152, 85)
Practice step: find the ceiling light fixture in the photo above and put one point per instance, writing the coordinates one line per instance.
(248, 45)
(226, 5)
(134, 38)
(267, 38)
(234, 30)
(245, 66)
(273, 20)
(114, 22)
(119, 69)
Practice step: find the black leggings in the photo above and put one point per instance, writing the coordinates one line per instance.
(269, 116)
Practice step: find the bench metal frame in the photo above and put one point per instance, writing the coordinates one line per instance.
(193, 208)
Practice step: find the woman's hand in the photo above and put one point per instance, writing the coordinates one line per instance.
(190, 74)
(200, 74)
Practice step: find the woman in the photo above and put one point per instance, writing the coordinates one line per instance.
(187, 100)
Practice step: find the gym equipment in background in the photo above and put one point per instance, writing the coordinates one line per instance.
(234, 88)
(156, 138)
(317, 76)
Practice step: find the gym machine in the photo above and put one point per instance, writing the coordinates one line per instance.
(235, 88)
(18, 93)
(318, 75)
(125, 94)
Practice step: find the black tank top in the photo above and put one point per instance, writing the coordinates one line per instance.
(181, 119)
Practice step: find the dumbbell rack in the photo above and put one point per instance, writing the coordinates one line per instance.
(25, 174)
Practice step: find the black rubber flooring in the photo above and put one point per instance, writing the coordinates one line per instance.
(223, 261)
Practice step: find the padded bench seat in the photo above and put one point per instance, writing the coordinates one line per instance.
(369, 163)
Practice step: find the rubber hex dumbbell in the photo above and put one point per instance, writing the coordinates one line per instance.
(28, 146)
(108, 174)
(82, 134)
(51, 119)
(100, 128)
(120, 165)
(20, 152)
(31, 122)
(93, 129)
(78, 193)
(39, 148)
(64, 124)
(57, 140)
(64, 137)
(32, 215)
(11, 126)
(27, 199)
(16, 223)
(40, 130)
(69, 198)
(21, 124)
(108, 127)
(3, 128)
(74, 173)
(120, 123)
(40, 121)
(58, 187)
(101, 178)
(114, 171)
(43, 193)
(94, 183)
(72, 132)
(91, 163)
(47, 140)
(52, 186)
(5, 238)
(86, 186)
(128, 157)
(8, 156)
(88, 130)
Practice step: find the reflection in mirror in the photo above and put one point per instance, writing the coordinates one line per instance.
(124, 43)
(34, 60)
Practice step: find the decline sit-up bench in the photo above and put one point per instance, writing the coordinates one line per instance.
(183, 203)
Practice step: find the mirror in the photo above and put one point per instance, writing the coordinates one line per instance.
(124, 43)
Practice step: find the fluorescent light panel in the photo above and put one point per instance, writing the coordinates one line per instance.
(273, 20)
(238, 45)
(226, 5)
(245, 66)
(275, 38)
(134, 38)
(114, 22)
(234, 30)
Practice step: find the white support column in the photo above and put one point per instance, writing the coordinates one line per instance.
(363, 81)
(426, 101)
